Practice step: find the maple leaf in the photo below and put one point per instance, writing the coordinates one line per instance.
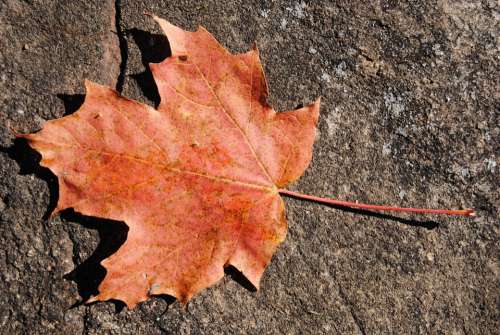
(196, 180)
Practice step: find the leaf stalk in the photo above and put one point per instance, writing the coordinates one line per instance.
(298, 195)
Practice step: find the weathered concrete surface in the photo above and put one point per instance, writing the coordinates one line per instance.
(410, 116)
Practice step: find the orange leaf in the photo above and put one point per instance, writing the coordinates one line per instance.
(196, 181)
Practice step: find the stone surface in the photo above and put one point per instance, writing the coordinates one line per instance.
(409, 116)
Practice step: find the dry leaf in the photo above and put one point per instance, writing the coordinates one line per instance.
(196, 181)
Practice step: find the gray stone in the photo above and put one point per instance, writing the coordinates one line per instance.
(409, 116)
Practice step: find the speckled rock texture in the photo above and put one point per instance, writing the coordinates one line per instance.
(410, 115)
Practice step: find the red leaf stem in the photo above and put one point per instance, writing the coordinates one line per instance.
(464, 212)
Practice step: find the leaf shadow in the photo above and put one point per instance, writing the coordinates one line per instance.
(72, 102)
(154, 48)
(28, 160)
(427, 224)
(90, 273)
(239, 277)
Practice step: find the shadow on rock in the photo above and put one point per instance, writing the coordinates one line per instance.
(154, 48)
(72, 102)
(239, 277)
(427, 224)
(28, 160)
(90, 273)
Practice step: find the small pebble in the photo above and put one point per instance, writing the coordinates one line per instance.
(430, 257)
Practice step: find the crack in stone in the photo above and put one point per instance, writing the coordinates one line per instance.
(112, 64)
(86, 321)
(347, 302)
(122, 44)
